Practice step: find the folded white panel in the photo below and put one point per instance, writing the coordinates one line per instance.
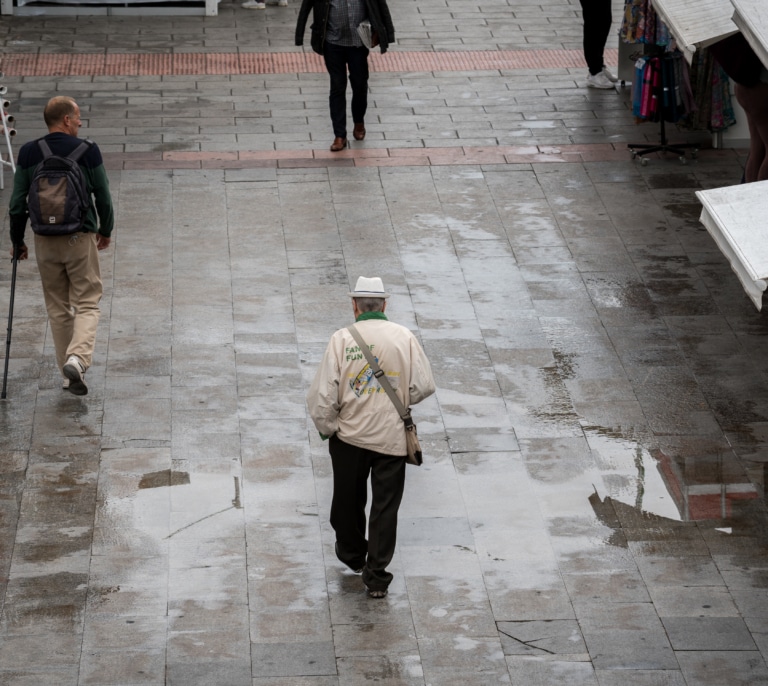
(737, 218)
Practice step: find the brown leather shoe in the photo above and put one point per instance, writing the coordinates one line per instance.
(359, 131)
(338, 144)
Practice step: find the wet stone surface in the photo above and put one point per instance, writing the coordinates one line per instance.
(591, 510)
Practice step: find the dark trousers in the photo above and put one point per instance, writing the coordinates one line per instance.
(597, 26)
(351, 469)
(339, 58)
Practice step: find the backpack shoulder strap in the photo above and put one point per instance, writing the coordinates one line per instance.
(75, 155)
(80, 150)
(43, 145)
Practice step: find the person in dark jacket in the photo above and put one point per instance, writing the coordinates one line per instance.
(68, 265)
(335, 37)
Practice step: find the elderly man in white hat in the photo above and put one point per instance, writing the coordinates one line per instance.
(367, 436)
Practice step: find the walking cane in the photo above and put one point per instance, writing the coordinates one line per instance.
(10, 320)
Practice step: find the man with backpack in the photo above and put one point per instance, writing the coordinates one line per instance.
(61, 186)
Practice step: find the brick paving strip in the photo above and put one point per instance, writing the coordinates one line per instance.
(185, 64)
(366, 157)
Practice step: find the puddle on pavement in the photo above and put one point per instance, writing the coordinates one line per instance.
(612, 293)
(679, 180)
(194, 510)
(693, 484)
(559, 407)
(165, 477)
(681, 210)
(694, 488)
(631, 474)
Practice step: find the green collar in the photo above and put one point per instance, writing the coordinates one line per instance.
(371, 315)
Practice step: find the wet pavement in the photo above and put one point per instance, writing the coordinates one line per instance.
(591, 510)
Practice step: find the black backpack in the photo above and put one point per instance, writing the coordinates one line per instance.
(58, 196)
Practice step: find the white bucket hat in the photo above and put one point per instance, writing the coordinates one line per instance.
(366, 287)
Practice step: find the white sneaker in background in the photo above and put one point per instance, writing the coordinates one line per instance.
(599, 80)
(609, 75)
(253, 5)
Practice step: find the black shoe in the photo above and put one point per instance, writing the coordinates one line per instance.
(354, 568)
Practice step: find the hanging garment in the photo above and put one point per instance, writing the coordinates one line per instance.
(713, 109)
(641, 24)
(722, 107)
(637, 85)
(651, 83)
(673, 104)
(633, 24)
(661, 88)
(661, 35)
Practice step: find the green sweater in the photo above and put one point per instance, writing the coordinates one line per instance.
(100, 218)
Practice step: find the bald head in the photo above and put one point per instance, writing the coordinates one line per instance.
(62, 115)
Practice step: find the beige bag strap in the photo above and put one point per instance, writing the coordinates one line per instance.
(405, 415)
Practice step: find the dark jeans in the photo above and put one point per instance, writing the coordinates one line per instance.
(597, 26)
(351, 468)
(337, 59)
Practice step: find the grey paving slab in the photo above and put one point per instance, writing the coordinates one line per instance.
(591, 510)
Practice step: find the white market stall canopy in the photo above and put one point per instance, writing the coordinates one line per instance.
(751, 16)
(736, 217)
(697, 23)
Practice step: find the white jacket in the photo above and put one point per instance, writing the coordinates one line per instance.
(346, 399)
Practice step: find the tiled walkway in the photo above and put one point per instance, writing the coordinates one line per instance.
(591, 511)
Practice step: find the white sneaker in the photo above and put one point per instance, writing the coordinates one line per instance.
(75, 371)
(610, 76)
(282, 3)
(599, 80)
(254, 5)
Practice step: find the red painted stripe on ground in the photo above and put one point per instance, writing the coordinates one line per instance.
(379, 157)
(152, 64)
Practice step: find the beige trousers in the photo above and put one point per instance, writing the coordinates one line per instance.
(69, 270)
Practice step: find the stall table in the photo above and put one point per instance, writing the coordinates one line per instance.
(751, 16)
(735, 217)
(697, 23)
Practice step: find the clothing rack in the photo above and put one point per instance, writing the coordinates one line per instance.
(638, 150)
(663, 102)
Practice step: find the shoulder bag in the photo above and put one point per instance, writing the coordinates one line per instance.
(411, 437)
